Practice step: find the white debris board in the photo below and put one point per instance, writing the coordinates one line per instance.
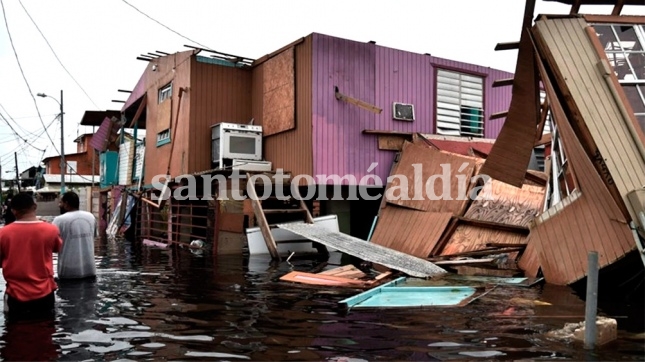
(365, 250)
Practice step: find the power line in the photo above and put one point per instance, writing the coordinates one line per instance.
(4, 14)
(56, 55)
(158, 22)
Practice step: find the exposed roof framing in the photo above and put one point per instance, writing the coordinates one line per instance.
(235, 59)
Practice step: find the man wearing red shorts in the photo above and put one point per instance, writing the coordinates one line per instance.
(26, 248)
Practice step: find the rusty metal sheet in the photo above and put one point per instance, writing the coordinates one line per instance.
(365, 250)
(410, 231)
(429, 163)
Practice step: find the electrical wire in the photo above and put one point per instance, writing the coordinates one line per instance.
(56, 56)
(4, 14)
(165, 26)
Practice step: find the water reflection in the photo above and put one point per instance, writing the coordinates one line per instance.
(156, 304)
(29, 340)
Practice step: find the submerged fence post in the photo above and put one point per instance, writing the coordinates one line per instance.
(591, 303)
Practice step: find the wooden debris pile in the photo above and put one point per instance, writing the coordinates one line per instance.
(345, 276)
(481, 221)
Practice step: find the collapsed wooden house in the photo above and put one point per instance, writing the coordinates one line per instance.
(591, 197)
(590, 67)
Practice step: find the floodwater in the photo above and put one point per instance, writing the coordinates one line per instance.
(166, 304)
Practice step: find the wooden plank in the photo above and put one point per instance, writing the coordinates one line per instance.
(496, 225)
(502, 82)
(391, 143)
(262, 222)
(544, 140)
(321, 279)
(410, 190)
(472, 238)
(498, 115)
(618, 7)
(410, 231)
(507, 46)
(612, 19)
(367, 251)
(504, 204)
(511, 154)
(357, 102)
(408, 135)
(347, 271)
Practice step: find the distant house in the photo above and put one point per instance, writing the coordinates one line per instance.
(28, 177)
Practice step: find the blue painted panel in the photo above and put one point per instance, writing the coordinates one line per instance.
(418, 297)
(108, 168)
(398, 294)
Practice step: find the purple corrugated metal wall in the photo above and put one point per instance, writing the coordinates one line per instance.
(379, 76)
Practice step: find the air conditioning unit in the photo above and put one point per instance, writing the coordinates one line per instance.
(232, 141)
(403, 111)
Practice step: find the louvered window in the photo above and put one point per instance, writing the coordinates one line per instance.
(460, 104)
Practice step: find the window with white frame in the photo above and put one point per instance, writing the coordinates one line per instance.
(460, 104)
(165, 92)
(71, 167)
(562, 182)
(625, 48)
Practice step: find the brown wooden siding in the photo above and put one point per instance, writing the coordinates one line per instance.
(597, 118)
(587, 220)
(218, 94)
(175, 68)
(291, 150)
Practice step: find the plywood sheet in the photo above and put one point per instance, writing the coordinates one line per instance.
(365, 250)
(419, 177)
(410, 231)
(279, 99)
(471, 238)
(505, 204)
(164, 116)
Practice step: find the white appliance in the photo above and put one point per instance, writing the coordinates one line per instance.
(232, 141)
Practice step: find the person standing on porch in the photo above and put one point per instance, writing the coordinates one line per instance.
(78, 230)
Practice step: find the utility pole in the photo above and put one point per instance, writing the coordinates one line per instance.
(63, 164)
(15, 157)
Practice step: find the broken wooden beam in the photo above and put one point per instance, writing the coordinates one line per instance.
(502, 82)
(356, 102)
(508, 46)
(498, 115)
(494, 225)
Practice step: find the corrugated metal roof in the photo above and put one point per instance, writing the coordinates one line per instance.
(72, 179)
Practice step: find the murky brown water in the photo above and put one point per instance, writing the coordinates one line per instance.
(154, 304)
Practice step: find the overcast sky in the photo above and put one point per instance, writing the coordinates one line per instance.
(97, 42)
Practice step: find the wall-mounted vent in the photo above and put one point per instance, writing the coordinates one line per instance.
(403, 112)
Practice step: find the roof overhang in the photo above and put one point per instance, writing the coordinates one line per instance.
(95, 118)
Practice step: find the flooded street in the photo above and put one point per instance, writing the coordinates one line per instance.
(165, 304)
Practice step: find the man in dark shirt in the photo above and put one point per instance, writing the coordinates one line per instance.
(8, 215)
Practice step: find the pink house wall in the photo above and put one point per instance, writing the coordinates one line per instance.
(379, 76)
